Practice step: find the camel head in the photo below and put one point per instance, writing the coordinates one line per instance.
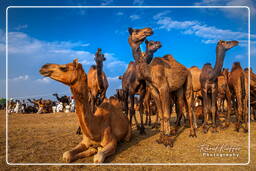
(227, 44)
(67, 73)
(139, 35)
(99, 57)
(236, 65)
(153, 46)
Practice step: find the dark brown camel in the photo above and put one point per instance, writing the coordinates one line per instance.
(64, 99)
(130, 84)
(208, 79)
(239, 86)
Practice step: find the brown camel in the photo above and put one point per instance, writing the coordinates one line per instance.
(224, 94)
(208, 79)
(239, 85)
(97, 80)
(165, 77)
(102, 129)
(196, 87)
(97, 83)
(252, 91)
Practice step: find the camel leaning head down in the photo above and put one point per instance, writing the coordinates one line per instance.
(101, 129)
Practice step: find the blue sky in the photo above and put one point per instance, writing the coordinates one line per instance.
(38, 36)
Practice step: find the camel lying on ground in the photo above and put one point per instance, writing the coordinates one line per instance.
(102, 129)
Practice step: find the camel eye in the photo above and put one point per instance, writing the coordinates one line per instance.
(64, 69)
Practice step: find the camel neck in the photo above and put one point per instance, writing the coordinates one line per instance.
(149, 56)
(83, 110)
(220, 55)
(99, 67)
(136, 51)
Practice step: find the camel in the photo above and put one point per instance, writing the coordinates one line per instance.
(208, 79)
(136, 38)
(130, 83)
(64, 99)
(97, 80)
(101, 129)
(252, 91)
(224, 94)
(239, 86)
(196, 87)
(43, 106)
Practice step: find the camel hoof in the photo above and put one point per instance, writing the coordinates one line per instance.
(98, 158)
(67, 157)
(142, 131)
(214, 130)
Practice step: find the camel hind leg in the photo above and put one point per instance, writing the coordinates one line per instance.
(189, 104)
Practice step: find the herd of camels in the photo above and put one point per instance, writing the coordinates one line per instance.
(163, 79)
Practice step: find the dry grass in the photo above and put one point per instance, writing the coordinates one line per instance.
(43, 138)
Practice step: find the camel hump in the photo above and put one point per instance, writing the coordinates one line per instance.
(168, 57)
(160, 61)
(93, 66)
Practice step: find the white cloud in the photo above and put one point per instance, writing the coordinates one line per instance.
(44, 80)
(106, 2)
(120, 13)
(20, 27)
(21, 77)
(160, 14)
(33, 53)
(134, 17)
(234, 13)
(138, 2)
(85, 44)
(209, 34)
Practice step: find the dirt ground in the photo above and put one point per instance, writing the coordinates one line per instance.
(42, 138)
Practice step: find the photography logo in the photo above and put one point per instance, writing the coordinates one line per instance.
(219, 150)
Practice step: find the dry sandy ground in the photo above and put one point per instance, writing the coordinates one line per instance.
(43, 138)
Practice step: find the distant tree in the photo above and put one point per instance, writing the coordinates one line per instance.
(2, 101)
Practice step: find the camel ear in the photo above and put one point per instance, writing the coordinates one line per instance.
(75, 62)
(130, 30)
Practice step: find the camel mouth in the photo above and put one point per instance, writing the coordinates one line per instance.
(149, 33)
(45, 73)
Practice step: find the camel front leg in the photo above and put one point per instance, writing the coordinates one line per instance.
(229, 107)
(142, 128)
(213, 108)
(205, 109)
(109, 146)
(166, 137)
(70, 155)
(159, 111)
